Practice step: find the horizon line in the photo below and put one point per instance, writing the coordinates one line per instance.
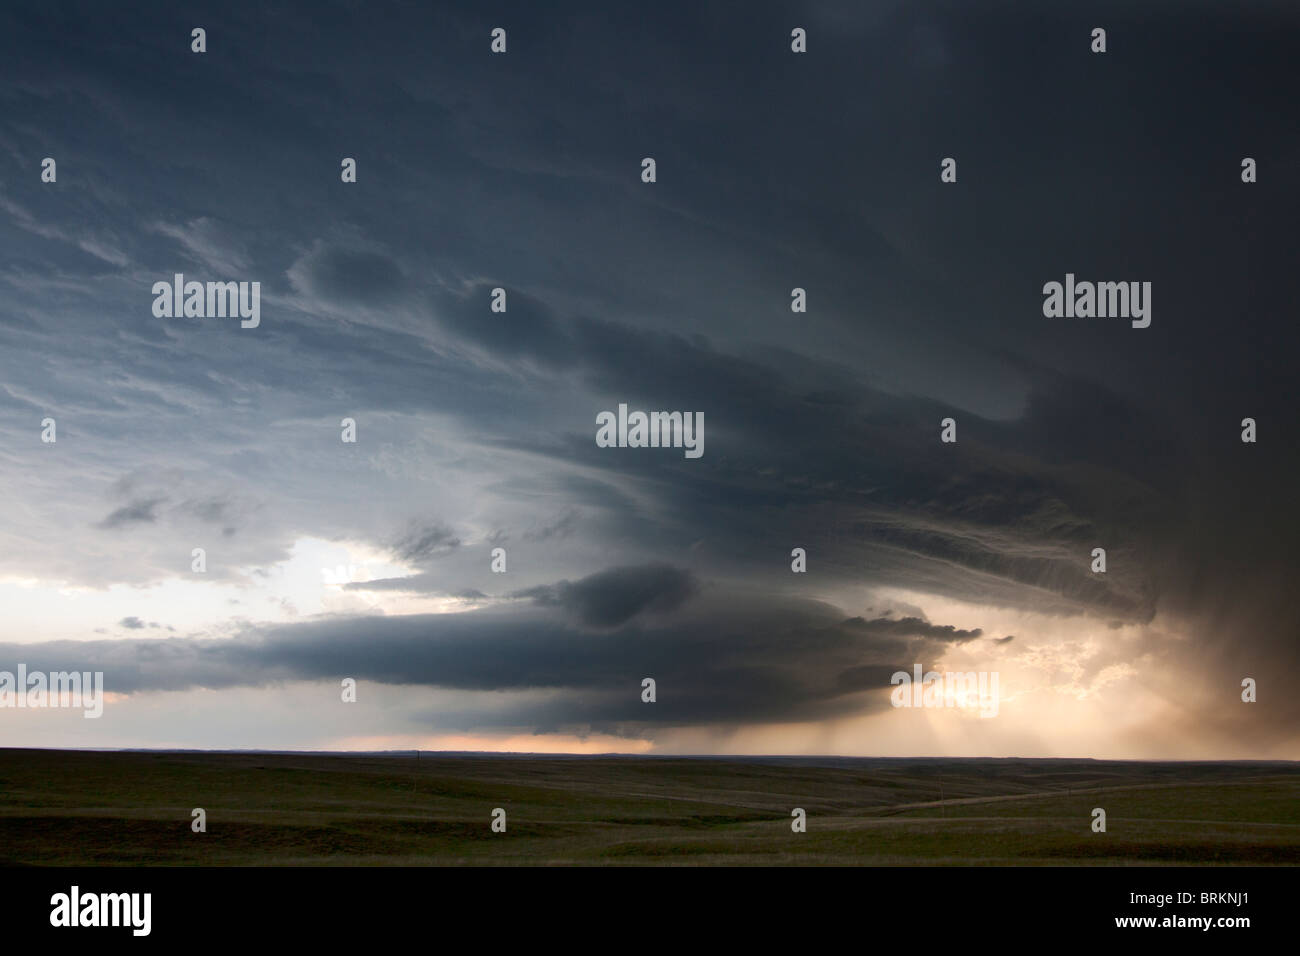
(622, 754)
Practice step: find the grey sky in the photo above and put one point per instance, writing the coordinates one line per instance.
(475, 429)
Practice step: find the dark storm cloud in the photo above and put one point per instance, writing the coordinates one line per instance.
(859, 477)
(350, 275)
(604, 599)
(726, 660)
(915, 627)
(527, 329)
(613, 597)
(775, 171)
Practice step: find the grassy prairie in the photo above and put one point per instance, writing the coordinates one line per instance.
(77, 808)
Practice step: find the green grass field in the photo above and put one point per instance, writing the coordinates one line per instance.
(77, 808)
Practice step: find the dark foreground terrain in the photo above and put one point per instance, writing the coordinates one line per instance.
(73, 808)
